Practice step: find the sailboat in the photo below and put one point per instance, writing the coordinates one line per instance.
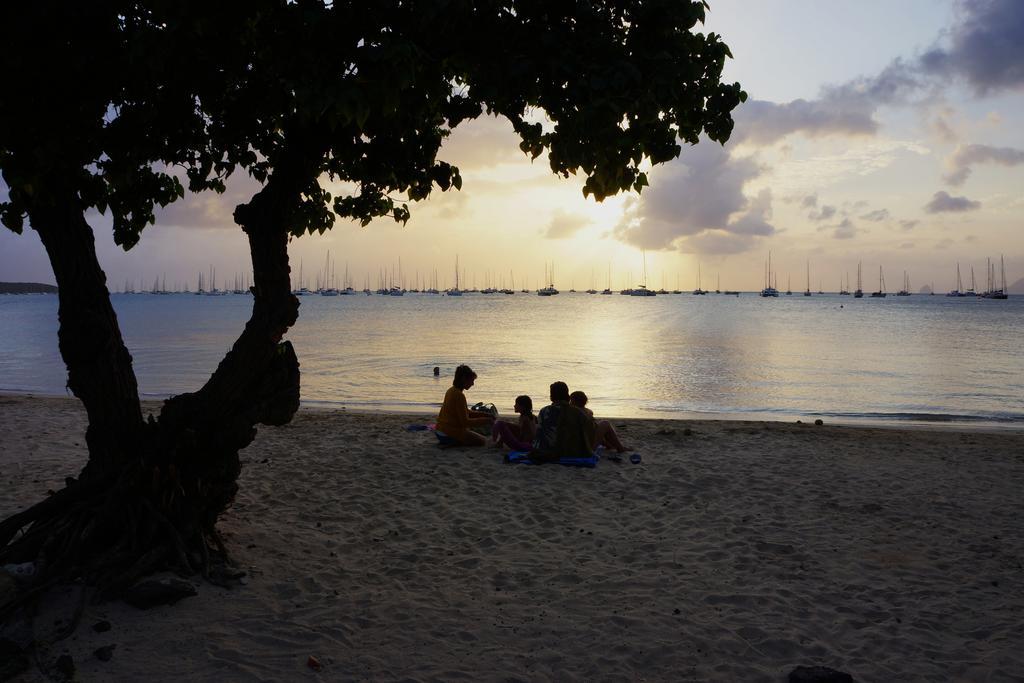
(858, 293)
(301, 290)
(549, 275)
(641, 290)
(608, 289)
(807, 292)
(591, 290)
(213, 291)
(880, 294)
(455, 291)
(971, 292)
(329, 289)
(512, 288)
(1000, 293)
(789, 287)
(397, 287)
(699, 291)
(906, 285)
(959, 285)
(347, 284)
(844, 290)
(768, 289)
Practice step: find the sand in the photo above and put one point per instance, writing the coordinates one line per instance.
(735, 551)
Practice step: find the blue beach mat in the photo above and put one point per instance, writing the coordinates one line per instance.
(444, 439)
(522, 458)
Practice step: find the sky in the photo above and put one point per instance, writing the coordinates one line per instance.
(889, 134)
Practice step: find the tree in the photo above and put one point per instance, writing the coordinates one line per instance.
(104, 100)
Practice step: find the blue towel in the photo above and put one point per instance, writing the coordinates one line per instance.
(445, 439)
(521, 458)
(417, 428)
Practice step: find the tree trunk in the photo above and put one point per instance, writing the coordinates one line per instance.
(152, 492)
(257, 382)
(99, 366)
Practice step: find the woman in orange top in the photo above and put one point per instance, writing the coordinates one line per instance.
(455, 419)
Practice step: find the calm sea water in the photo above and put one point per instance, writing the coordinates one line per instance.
(899, 359)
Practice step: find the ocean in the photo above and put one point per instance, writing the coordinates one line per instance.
(898, 360)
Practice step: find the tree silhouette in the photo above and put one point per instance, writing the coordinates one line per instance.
(110, 105)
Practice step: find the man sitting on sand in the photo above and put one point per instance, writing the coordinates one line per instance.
(454, 421)
(563, 430)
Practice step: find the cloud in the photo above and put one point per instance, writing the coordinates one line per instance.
(847, 109)
(564, 224)
(717, 242)
(907, 245)
(809, 201)
(909, 224)
(760, 122)
(876, 215)
(445, 205)
(208, 209)
(700, 192)
(966, 156)
(824, 214)
(942, 202)
(845, 230)
(985, 47)
(942, 128)
(482, 143)
(754, 221)
(793, 176)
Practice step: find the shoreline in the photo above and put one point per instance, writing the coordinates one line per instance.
(938, 423)
(734, 551)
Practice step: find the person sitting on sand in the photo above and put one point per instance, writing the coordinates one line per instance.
(606, 435)
(455, 420)
(563, 430)
(519, 436)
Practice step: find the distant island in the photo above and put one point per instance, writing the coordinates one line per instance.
(26, 288)
(1017, 287)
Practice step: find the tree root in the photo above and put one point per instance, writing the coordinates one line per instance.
(146, 521)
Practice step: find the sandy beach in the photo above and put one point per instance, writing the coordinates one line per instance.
(735, 551)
